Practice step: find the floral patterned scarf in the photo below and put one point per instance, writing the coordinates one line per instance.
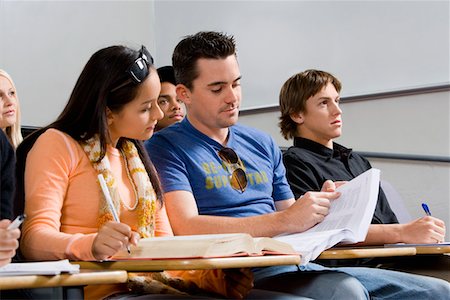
(146, 206)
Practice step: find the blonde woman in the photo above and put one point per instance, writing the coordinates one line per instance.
(9, 109)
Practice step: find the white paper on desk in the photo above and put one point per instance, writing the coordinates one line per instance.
(39, 268)
(347, 222)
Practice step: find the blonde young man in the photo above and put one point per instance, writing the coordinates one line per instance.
(220, 177)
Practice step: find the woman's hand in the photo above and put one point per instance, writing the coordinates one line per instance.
(8, 242)
(111, 238)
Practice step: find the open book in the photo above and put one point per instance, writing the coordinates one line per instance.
(347, 222)
(39, 268)
(204, 246)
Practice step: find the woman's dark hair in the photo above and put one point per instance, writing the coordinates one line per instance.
(96, 90)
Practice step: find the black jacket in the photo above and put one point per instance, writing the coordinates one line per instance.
(7, 177)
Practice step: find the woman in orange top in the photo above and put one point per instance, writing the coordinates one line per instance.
(112, 108)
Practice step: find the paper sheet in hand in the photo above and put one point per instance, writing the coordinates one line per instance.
(347, 222)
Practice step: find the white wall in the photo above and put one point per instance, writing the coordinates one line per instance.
(45, 44)
(372, 46)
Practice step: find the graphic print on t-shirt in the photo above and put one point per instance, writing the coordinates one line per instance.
(217, 175)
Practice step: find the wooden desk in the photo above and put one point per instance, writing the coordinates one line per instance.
(444, 249)
(193, 264)
(380, 251)
(348, 253)
(423, 260)
(85, 277)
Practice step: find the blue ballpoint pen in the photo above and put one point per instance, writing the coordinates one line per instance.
(426, 209)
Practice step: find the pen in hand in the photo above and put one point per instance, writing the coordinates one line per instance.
(17, 221)
(109, 201)
(426, 209)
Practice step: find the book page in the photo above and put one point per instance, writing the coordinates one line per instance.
(310, 245)
(354, 207)
(203, 246)
(348, 220)
(190, 246)
(39, 268)
(265, 245)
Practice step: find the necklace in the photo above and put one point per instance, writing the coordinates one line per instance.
(132, 184)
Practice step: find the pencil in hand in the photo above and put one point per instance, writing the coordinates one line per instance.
(109, 201)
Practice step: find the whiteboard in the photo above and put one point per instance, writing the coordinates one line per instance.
(371, 46)
(44, 46)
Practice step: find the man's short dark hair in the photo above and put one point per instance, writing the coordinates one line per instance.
(166, 74)
(204, 44)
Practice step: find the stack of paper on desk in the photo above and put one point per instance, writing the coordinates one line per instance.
(39, 268)
(347, 222)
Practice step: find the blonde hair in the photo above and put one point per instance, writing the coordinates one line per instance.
(13, 132)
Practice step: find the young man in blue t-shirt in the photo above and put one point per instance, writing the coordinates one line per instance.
(220, 177)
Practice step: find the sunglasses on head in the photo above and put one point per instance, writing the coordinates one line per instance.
(138, 70)
(238, 178)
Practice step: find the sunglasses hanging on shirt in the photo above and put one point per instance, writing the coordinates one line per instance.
(238, 178)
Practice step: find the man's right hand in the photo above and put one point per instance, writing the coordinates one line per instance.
(426, 230)
(311, 208)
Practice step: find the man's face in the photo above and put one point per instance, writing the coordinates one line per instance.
(171, 106)
(322, 119)
(214, 100)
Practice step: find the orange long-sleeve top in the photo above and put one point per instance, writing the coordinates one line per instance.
(62, 204)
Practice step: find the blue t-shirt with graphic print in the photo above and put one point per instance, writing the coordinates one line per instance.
(188, 160)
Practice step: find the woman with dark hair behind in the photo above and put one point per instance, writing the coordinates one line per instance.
(112, 108)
